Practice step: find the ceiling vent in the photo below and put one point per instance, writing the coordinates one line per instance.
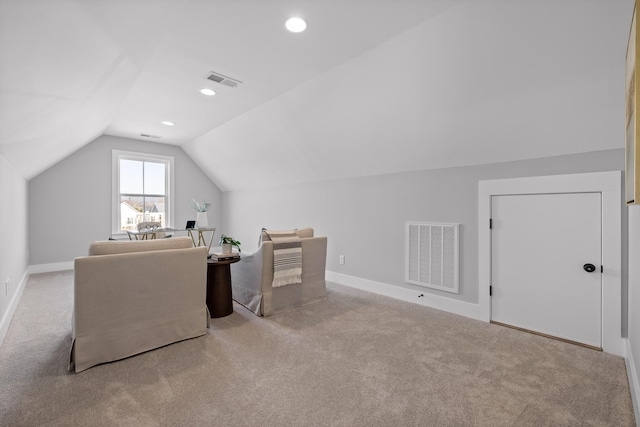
(223, 80)
(146, 135)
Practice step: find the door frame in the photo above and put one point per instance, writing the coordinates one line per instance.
(607, 183)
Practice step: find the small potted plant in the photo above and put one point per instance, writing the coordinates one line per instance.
(201, 217)
(228, 243)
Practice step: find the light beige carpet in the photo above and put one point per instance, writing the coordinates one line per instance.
(357, 359)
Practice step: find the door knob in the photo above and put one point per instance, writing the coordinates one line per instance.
(589, 268)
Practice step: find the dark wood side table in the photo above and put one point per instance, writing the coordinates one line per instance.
(219, 298)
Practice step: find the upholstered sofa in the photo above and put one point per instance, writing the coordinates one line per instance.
(135, 296)
(252, 277)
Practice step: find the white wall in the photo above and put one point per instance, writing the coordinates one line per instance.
(364, 218)
(70, 203)
(634, 294)
(13, 244)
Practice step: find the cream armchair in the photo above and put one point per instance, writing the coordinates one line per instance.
(252, 276)
(134, 296)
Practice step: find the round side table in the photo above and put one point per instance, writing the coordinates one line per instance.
(219, 297)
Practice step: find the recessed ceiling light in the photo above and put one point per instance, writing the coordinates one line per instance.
(296, 25)
(168, 123)
(207, 91)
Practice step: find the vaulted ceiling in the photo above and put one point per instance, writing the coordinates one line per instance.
(372, 86)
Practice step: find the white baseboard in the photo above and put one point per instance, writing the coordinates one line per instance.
(46, 268)
(632, 375)
(451, 305)
(13, 304)
(11, 309)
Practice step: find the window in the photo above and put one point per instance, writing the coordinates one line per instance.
(142, 185)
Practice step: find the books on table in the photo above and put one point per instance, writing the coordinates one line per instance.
(222, 257)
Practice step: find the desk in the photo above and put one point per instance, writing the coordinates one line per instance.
(201, 240)
(150, 234)
(147, 234)
(219, 297)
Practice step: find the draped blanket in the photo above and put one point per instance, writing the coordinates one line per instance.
(287, 257)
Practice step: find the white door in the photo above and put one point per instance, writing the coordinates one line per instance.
(540, 245)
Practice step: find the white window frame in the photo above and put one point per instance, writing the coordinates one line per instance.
(116, 156)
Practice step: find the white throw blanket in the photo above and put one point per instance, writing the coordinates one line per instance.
(287, 257)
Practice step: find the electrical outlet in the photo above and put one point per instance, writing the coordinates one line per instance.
(341, 259)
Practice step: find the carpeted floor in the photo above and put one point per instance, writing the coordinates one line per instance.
(358, 359)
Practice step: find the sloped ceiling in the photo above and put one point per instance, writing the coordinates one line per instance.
(372, 87)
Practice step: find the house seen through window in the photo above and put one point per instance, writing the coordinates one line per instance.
(143, 183)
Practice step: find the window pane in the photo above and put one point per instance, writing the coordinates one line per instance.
(130, 212)
(154, 210)
(131, 176)
(154, 178)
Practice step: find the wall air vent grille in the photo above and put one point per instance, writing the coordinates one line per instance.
(432, 255)
(223, 80)
(146, 135)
